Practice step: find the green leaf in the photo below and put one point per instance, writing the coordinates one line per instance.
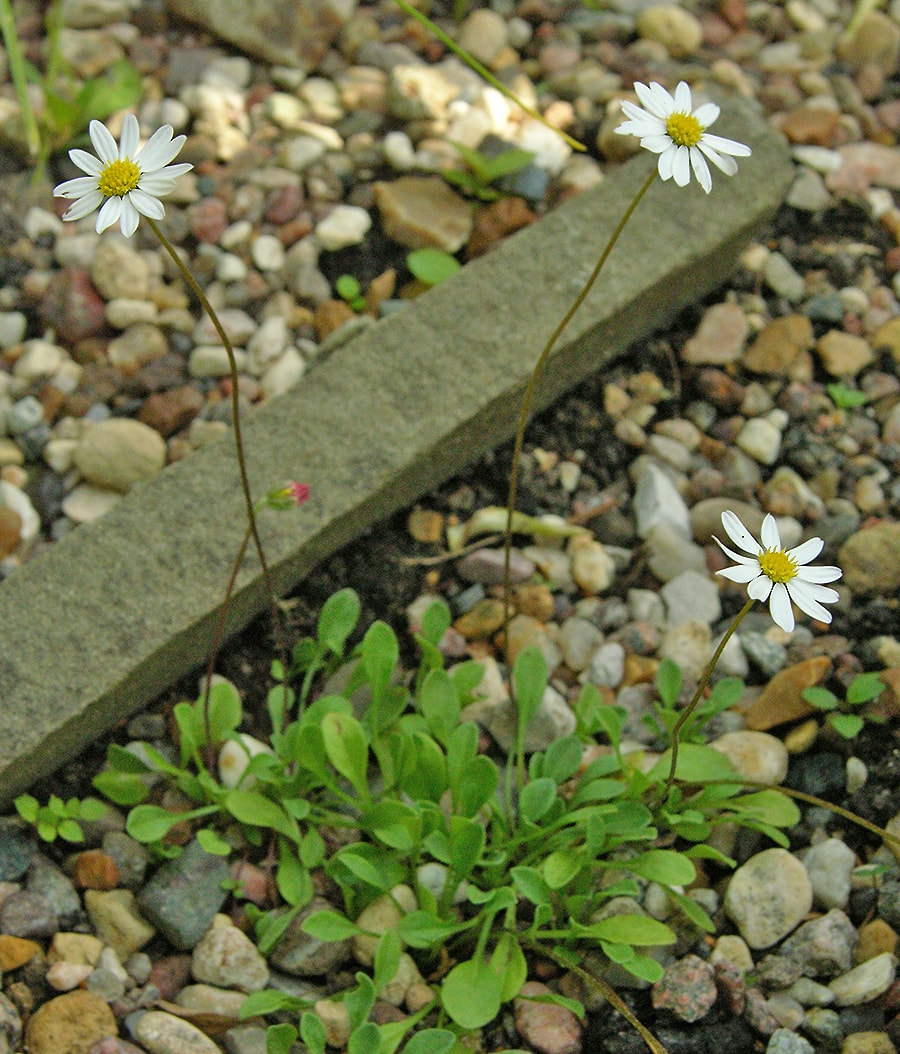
(364, 868)
(531, 885)
(668, 682)
(431, 1041)
(644, 968)
(562, 759)
(312, 1032)
(280, 1038)
(256, 809)
(572, 1005)
(467, 839)
(508, 962)
(472, 994)
(506, 163)
(536, 798)
(477, 786)
(338, 619)
(439, 703)
(769, 807)
(360, 1000)
(329, 926)
(225, 711)
(693, 911)
(530, 679)
(864, 687)
(395, 824)
(27, 807)
(380, 653)
(267, 1001)
(70, 831)
(347, 750)
(387, 959)
(847, 725)
(425, 769)
(123, 788)
(627, 929)
(431, 266)
(696, 764)
(365, 1039)
(312, 849)
(561, 867)
(820, 698)
(662, 865)
(293, 880)
(420, 929)
(347, 287)
(212, 843)
(150, 823)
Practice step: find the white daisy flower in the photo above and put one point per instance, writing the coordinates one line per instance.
(122, 181)
(668, 127)
(779, 575)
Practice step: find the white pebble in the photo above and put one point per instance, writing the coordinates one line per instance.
(344, 225)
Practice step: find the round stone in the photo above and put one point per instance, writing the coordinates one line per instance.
(755, 756)
(72, 1022)
(768, 896)
(119, 452)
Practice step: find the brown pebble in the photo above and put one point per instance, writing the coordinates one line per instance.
(875, 937)
(639, 669)
(72, 1023)
(95, 870)
(781, 701)
(331, 315)
(10, 530)
(781, 349)
(425, 526)
(496, 221)
(534, 600)
(483, 620)
(16, 951)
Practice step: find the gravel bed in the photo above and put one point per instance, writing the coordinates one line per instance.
(779, 394)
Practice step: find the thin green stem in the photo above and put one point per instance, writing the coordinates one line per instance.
(605, 989)
(252, 526)
(698, 693)
(19, 77)
(530, 390)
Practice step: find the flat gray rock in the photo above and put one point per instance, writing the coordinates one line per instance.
(98, 625)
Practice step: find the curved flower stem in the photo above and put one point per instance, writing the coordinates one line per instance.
(252, 528)
(698, 692)
(530, 390)
(606, 990)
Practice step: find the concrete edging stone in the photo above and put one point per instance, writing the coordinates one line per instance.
(98, 625)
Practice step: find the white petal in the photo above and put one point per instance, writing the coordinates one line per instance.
(808, 601)
(644, 127)
(131, 136)
(706, 114)
(727, 146)
(743, 573)
(681, 166)
(156, 185)
(701, 169)
(823, 594)
(728, 165)
(86, 162)
(760, 588)
(160, 151)
(75, 188)
(819, 574)
(109, 214)
(173, 171)
(780, 608)
(656, 143)
(682, 98)
(103, 142)
(130, 217)
(739, 534)
(146, 204)
(84, 206)
(666, 160)
(806, 551)
(655, 98)
(771, 539)
(750, 560)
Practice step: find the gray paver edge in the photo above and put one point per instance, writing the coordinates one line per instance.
(112, 614)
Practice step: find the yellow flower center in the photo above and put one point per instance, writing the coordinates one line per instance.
(118, 178)
(777, 565)
(683, 129)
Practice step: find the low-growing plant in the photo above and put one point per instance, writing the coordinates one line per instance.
(431, 266)
(481, 172)
(501, 857)
(847, 716)
(350, 291)
(844, 397)
(58, 818)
